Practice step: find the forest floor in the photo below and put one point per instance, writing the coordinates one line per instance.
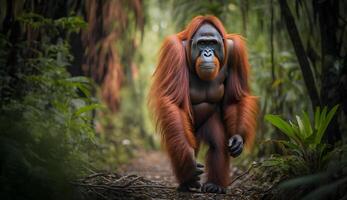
(149, 176)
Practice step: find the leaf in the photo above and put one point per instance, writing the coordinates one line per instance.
(280, 124)
(324, 122)
(322, 117)
(290, 144)
(316, 118)
(87, 108)
(307, 124)
(84, 89)
(310, 141)
(301, 130)
(80, 82)
(272, 162)
(297, 136)
(329, 117)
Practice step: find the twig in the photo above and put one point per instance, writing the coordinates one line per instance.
(154, 186)
(98, 193)
(248, 170)
(94, 175)
(122, 186)
(129, 183)
(124, 177)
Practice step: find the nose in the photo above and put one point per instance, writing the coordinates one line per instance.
(207, 52)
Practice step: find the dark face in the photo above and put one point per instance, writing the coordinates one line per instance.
(207, 52)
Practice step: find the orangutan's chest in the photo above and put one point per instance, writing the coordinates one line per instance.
(200, 93)
(205, 96)
(210, 92)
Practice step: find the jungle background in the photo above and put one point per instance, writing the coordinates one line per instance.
(74, 82)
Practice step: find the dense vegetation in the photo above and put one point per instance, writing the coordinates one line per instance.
(45, 127)
(75, 74)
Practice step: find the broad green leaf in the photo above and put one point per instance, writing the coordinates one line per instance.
(311, 141)
(307, 124)
(329, 117)
(324, 122)
(280, 124)
(331, 113)
(301, 132)
(298, 138)
(322, 117)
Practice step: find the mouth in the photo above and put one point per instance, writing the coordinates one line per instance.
(207, 66)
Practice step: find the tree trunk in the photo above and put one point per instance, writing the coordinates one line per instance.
(328, 12)
(300, 54)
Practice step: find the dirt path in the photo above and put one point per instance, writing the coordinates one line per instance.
(149, 176)
(153, 165)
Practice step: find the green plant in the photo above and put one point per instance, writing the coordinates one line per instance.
(45, 117)
(327, 184)
(305, 140)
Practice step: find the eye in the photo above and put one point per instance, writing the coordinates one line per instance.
(212, 42)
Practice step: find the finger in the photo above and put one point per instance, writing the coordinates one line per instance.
(199, 165)
(235, 147)
(198, 172)
(239, 139)
(209, 187)
(205, 187)
(237, 152)
(215, 189)
(231, 141)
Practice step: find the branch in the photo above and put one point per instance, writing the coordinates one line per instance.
(300, 54)
(121, 187)
(243, 174)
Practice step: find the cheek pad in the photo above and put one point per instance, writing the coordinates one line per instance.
(219, 52)
(195, 52)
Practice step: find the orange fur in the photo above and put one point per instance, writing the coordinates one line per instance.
(170, 103)
(240, 108)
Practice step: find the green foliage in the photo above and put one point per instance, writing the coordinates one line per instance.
(305, 157)
(327, 184)
(45, 118)
(68, 24)
(305, 140)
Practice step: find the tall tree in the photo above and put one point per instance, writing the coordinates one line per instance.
(332, 80)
